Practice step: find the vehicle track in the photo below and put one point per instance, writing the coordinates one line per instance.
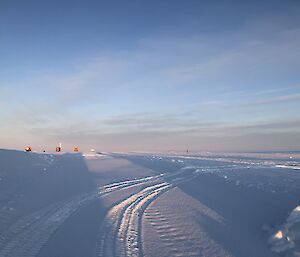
(27, 236)
(120, 234)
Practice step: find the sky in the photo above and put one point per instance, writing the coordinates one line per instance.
(141, 75)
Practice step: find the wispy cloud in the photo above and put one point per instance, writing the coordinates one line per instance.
(283, 135)
(197, 63)
(186, 90)
(278, 99)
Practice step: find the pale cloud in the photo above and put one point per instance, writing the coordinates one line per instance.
(166, 91)
(279, 99)
(195, 63)
(256, 103)
(208, 137)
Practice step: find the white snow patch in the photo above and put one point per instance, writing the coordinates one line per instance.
(285, 238)
(294, 167)
(279, 235)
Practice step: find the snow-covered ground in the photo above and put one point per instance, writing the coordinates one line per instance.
(81, 205)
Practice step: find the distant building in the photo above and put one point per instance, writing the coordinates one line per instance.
(58, 148)
(28, 149)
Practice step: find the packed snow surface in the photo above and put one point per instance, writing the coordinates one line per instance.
(120, 204)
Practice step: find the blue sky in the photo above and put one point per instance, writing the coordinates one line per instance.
(150, 75)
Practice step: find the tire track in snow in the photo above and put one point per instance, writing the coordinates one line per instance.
(120, 234)
(27, 236)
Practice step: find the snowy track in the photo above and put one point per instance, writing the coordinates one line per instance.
(120, 234)
(27, 236)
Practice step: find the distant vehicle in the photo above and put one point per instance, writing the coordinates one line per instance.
(28, 149)
(76, 149)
